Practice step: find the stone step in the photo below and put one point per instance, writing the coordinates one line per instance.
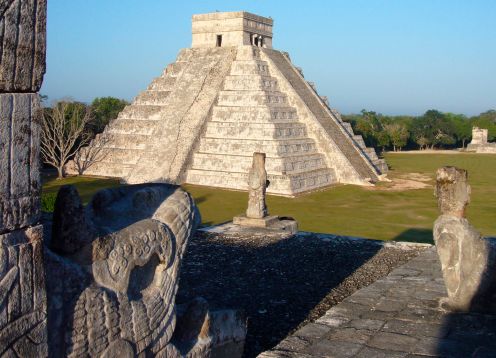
(257, 131)
(273, 165)
(152, 98)
(252, 67)
(279, 184)
(252, 98)
(348, 128)
(250, 82)
(329, 121)
(371, 153)
(381, 165)
(140, 111)
(175, 69)
(131, 126)
(118, 155)
(359, 139)
(254, 114)
(106, 169)
(237, 146)
(163, 83)
(121, 140)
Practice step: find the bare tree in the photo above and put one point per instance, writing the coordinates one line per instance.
(63, 133)
(93, 153)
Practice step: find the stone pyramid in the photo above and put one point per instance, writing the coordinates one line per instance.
(226, 97)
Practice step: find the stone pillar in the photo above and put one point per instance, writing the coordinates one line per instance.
(257, 183)
(23, 306)
(467, 259)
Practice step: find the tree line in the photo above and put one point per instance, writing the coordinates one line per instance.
(69, 125)
(433, 129)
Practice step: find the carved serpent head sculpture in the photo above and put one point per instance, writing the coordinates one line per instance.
(113, 269)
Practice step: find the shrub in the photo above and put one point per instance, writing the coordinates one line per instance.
(48, 202)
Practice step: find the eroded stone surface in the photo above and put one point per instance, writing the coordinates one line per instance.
(257, 184)
(113, 281)
(22, 45)
(19, 163)
(22, 294)
(468, 260)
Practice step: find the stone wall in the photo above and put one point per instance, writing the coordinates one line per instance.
(479, 142)
(236, 29)
(23, 306)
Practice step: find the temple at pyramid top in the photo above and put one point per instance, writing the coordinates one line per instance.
(239, 28)
(223, 99)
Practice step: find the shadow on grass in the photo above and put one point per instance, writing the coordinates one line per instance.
(277, 284)
(423, 236)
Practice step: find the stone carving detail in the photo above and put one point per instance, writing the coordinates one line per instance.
(23, 304)
(468, 260)
(19, 161)
(257, 184)
(22, 294)
(22, 45)
(112, 275)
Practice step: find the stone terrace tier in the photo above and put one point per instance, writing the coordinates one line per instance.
(202, 120)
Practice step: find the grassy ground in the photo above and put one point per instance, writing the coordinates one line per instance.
(351, 210)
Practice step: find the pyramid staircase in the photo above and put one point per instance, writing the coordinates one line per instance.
(201, 121)
(253, 115)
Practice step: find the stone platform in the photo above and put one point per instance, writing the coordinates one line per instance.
(397, 316)
(241, 225)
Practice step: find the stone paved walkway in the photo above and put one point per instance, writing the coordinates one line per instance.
(397, 316)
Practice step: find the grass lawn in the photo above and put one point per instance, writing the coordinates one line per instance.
(351, 210)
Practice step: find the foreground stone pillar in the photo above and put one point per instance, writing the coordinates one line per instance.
(257, 215)
(468, 260)
(257, 183)
(23, 304)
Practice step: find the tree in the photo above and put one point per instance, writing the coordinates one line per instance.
(398, 133)
(104, 110)
(461, 126)
(431, 129)
(63, 133)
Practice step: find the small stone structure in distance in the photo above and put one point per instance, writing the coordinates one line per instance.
(479, 143)
(257, 214)
(468, 260)
(227, 96)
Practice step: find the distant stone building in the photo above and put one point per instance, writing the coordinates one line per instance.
(226, 97)
(479, 142)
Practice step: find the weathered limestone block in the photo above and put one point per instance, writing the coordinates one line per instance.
(468, 260)
(23, 306)
(257, 183)
(257, 215)
(19, 162)
(23, 45)
(112, 276)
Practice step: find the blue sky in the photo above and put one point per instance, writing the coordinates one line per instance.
(391, 56)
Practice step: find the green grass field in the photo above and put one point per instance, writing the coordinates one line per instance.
(351, 210)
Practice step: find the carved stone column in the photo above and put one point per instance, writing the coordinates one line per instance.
(23, 307)
(257, 184)
(468, 260)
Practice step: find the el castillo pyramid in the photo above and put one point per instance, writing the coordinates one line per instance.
(227, 96)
